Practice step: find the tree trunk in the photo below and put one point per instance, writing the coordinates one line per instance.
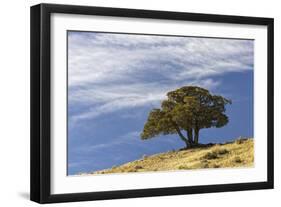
(187, 144)
(186, 141)
(183, 138)
(190, 135)
(196, 136)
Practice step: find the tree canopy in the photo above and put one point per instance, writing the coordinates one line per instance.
(185, 112)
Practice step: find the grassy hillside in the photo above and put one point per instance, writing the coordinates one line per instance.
(239, 153)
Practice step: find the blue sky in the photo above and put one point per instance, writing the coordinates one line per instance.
(114, 80)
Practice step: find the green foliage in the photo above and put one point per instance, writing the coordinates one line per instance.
(221, 151)
(237, 159)
(216, 166)
(138, 167)
(240, 140)
(188, 109)
(214, 154)
(210, 156)
(183, 167)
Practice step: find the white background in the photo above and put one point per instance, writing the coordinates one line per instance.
(14, 105)
(60, 183)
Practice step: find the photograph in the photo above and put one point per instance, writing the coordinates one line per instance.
(132, 103)
(145, 103)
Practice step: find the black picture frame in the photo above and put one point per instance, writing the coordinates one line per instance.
(41, 98)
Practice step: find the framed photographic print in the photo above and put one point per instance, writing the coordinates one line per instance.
(133, 103)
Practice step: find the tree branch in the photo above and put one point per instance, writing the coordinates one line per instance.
(183, 138)
(190, 135)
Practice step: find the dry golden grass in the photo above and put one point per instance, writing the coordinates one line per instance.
(239, 153)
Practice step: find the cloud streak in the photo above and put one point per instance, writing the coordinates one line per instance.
(111, 72)
(128, 138)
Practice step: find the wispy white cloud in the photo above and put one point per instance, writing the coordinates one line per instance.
(109, 99)
(109, 72)
(128, 138)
